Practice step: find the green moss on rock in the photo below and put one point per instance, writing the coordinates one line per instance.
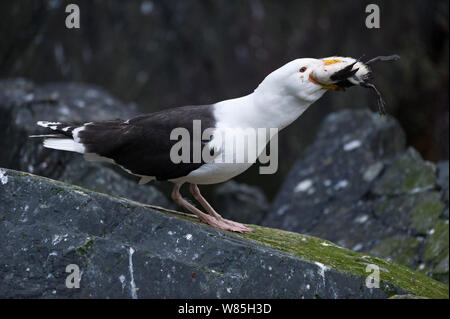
(407, 174)
(319, 250)
(402, 249)
(86, 248)
(425, 215)
(436, 247)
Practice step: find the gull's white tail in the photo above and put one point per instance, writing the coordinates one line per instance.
(66, 138)
(64, 144)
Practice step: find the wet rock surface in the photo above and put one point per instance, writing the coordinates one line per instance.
(359, 187)
(128, 250)
(23, 103)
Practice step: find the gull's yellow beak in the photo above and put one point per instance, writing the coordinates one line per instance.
(324, 75)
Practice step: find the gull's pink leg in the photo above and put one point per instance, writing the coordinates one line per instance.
(195, 191)
(207, 219)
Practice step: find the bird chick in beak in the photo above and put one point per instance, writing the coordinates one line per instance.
(339, 73)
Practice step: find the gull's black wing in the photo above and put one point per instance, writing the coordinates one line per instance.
(142, 144)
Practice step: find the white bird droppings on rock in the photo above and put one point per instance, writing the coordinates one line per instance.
(188, 236)
(340, 185)
(122, 281)
(303, 186)
(282, 210)
(3, 177)
(57, 239)
(322, 269)
(327, 183)
(130, 268)
(350, 146)
(361, 219)
(29, 97)
(373, 171)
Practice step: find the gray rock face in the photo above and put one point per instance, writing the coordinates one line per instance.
(22, 104)
(127, 250)
(443, 179)
(358, 187)
(106, 180)
(338, 168)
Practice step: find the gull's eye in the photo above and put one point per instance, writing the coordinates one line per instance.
(303, 69)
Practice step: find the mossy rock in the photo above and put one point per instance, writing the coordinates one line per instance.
(163, 250)
(402, 249)
(331, 255)
(436, 250)
(407, 174)
(426, 214)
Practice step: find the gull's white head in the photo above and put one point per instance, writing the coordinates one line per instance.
(308, 79)
(288, 91)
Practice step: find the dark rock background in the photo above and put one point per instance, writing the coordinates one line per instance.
(166, 53)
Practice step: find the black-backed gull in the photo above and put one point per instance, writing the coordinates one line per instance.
(143, 145)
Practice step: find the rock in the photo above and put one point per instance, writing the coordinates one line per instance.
(443, 179)
(408, 173)
(124, 249)
(416, 229)
(22, 104)
(338, 169)
(358, 186)
(240, 202)
(105, 180)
